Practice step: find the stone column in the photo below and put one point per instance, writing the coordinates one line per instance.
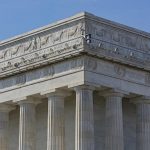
(56, 127)
(143, 124)
(27, 126)
(84, 125)
(4, 124)
(114, 121)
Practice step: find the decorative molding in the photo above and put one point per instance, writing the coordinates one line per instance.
(119, 70)
(41, 48)
(115, 70)
(44, 72)
(38, 42)
(64, 41)
(113, 92)
(118, 37)
(43, 55)
(147, 78)
(90, 64)
(118, 45)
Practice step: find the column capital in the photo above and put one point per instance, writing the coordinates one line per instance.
(56, 93)
(84, 87)
(113, 92)
(141, 99)
(56, 125)
(142, 123)
(6, 107)
(27, 100)
(27, 123)
(114, 122)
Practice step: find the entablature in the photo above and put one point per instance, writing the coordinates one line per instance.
(56, 42)
(68, 38)
(116, 42)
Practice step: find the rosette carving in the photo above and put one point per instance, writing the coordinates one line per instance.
(119, 70)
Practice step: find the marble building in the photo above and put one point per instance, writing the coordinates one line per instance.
(82, 83)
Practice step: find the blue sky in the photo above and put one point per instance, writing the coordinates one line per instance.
(19, 16)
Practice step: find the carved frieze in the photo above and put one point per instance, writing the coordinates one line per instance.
(147, 78)
(109, 42)
(39, 41)
(119, 70)
(21, 79)
(90, 64)
(76, 64)
(105, 32)
(41, 48)
(119, 44)
(43, 73)
(119, 53)
(45, 54)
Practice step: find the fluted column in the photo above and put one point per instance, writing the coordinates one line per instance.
(84, 124)
(4, 123)
(56, 127)
(143, 124)
(27, 125)
(114, 121)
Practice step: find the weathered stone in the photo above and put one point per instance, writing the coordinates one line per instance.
(84, 125)
(79, 54)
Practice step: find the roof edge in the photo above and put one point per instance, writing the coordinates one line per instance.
(77, 16)
(52, 25)
(116, 24)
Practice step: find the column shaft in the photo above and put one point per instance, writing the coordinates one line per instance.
(56, 128)
(4, 124)
(114, 123)
(84, 126)
(4, 119)
(143, 126)
(27, 126)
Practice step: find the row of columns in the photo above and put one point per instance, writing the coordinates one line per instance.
(84, 123)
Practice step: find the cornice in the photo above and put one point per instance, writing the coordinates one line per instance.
(116, 25)
(78, 16)
(67, 38)
(43, 29)
(47, 47)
